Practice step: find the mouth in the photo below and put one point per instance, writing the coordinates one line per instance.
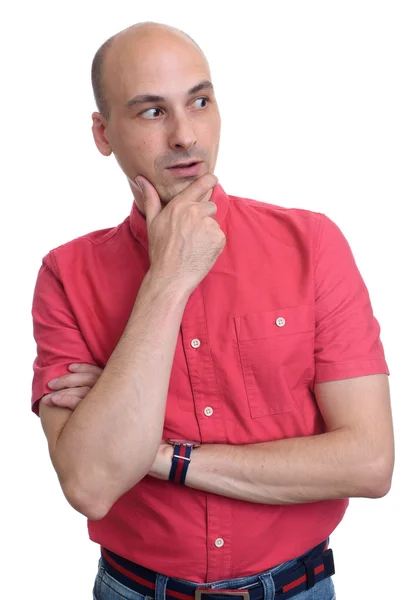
(187, 169)
(185, 165)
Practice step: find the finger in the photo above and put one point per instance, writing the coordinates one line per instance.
(53, 398)
(151, 199)
(209, 208)
(47, 400)
(67, 401)
(84, 368)
(73, 380)
(198, 190)
(79, 392)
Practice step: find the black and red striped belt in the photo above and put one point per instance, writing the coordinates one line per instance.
(314, 566)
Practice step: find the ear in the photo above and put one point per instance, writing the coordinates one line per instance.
(99, 134)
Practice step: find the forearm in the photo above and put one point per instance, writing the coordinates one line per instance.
(111, 439)
(290, 471)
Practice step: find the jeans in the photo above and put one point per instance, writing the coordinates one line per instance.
(107, 588)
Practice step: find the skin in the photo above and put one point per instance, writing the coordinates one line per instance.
(355, 457)
(149, 137)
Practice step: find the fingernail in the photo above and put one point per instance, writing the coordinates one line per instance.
(73, 367)
(55, 396)
(52, 382)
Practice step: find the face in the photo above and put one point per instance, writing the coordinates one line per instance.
(162, 112)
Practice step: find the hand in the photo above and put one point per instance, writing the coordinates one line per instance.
(184, 240)
(73, 387)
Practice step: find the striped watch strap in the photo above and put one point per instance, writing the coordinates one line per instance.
(180, 463)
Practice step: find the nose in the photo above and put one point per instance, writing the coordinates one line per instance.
(182, 134)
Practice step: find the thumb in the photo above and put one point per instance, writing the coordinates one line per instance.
(152, 203)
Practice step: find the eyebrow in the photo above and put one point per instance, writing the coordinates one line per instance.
(144, 98)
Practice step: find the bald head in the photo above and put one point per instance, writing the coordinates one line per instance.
(120, 44)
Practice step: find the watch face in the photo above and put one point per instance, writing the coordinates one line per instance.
(184, 443)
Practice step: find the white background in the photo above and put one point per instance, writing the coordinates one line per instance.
(320, 106)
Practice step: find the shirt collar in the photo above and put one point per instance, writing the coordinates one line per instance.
(139, 226)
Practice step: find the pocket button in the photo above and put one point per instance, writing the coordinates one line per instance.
(280, 321)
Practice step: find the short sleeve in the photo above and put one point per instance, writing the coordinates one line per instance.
(59, 341)
(347, 335)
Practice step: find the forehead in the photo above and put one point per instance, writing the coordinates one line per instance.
(165, 65)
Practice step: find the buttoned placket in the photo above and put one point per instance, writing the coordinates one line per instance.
(208, 411)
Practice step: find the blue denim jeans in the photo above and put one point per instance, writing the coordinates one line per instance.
(108, 588)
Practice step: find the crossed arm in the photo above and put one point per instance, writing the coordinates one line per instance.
(355, 457)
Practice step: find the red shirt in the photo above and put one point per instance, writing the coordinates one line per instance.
(283, 307)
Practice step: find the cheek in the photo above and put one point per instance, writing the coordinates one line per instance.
(143, 142)
(135, 145)
(213, 128)
(127, 134)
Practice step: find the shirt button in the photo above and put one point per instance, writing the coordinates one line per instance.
(208, 411)
(219, 542)
(195, 343)
(280, 321)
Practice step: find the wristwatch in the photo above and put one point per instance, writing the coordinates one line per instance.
(182, 450)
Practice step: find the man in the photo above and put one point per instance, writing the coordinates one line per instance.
(231, 391)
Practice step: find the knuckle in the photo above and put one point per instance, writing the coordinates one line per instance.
(195, 210)
(222, 238)
(176, 208)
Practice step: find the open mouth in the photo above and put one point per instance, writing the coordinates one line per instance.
(185, 166)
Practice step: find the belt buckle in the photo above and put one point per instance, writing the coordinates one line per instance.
(220, 592)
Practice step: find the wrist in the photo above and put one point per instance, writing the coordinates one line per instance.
(162, 463)
(181, 460)
(168, 286)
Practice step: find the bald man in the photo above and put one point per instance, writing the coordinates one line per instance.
(209, 373)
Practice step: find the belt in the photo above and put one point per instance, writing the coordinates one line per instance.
(314, 566)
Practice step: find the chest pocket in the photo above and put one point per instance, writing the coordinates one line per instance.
(276, 353)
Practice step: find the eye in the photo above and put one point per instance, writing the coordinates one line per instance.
(202, 99)
(148, 114)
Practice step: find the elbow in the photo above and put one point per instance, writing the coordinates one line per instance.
(91, 510)
(378, 489)
(96, 512)
(380, 479)
(96, 503)
(383, 486)
(96, 515)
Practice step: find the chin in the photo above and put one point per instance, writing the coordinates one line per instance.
(175, 190)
